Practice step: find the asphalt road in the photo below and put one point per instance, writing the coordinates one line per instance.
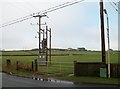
(14, 81)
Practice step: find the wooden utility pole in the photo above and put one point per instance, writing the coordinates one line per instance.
(46, 44)
(102, 32)
(50, 46)
(39, 16)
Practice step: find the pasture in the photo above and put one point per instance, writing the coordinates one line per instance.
(61, 66)
(81, 56)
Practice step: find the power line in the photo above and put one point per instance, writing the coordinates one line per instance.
(31, 14)
(114, 7)
(62, 7)
(115, 4)
(15, 22)
(55, 7)
(14, 5)
(20, 19)
(17, 19)
(28, 6)
(43, 12)
(17, 5)
(40, 12)
(31, 6)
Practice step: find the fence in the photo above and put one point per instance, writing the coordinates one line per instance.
(115, 70)
(62, 68)
(96, 69)
(88, 69)
(12, 66)
(41, 68)
(56, 68)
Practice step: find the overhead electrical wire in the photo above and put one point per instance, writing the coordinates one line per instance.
(16, 22)
(31, 5)
(28, 6)
(55, 7)
(26, 17)
(19, 6)
(17, 19)
(116, 9)
(116, 5)
(62, 7)
(40, 12)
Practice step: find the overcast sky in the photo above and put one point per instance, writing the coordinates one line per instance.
(72, 27)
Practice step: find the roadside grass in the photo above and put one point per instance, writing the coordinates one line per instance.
(97, 80)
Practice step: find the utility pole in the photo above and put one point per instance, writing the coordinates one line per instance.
(43, 49)
(39, 16)
(50, 46)
(102, 32)
(46, 44)
(108, 43)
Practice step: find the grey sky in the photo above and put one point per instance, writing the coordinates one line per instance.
(73, 26)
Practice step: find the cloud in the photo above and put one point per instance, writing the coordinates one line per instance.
(73, 26)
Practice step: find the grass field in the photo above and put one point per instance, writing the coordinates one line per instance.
(85, 56)
(61, 66)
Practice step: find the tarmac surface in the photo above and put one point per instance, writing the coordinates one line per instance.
(14, 81)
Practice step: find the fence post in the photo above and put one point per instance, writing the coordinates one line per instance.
(60, 68)
(75, 65)
(8, 62)
(47, 68)
(32, 66)
(17, 66)
(36, 65)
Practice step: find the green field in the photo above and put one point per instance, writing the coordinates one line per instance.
(61, 67)
(85, 56)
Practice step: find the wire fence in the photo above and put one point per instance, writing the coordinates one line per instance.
(56, 68)
(44, 68)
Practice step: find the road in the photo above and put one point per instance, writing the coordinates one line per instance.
(14, 81)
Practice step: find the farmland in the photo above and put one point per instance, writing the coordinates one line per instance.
(62, 64)
(81, 56)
